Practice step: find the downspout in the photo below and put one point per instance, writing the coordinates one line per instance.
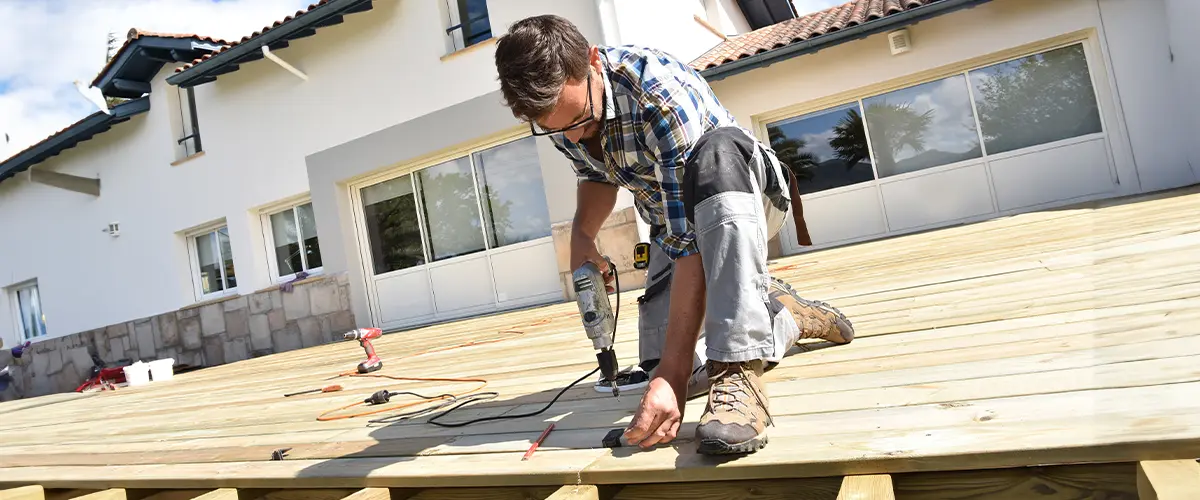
(283, 64)
(610, 30)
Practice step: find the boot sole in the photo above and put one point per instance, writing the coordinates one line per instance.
(845, 327)
(719, 447)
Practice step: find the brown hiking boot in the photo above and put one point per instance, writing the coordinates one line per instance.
(736, 418)
(817, 320)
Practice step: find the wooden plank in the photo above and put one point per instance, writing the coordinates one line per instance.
(872, 487)
(66, 493)
(382, 494)
(108, 494)
(177, 495)
(1168, 480)
(825, 488)
(1093, 481)
(587, 492)
(513, 493)
(34, 492)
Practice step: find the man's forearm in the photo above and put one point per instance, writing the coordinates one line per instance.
(683, 324)
(594, 202)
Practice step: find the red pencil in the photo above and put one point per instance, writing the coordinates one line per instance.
(534, 446)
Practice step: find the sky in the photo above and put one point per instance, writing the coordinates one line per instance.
(49, 44)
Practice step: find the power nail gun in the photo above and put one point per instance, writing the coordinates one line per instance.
(597, 315)
(364, 336)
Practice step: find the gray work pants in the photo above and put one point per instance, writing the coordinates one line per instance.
(726, 183)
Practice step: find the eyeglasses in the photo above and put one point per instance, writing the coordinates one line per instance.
(537, 130)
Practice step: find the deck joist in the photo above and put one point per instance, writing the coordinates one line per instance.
(1056, 349)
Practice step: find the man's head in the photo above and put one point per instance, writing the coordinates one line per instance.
(545, 67)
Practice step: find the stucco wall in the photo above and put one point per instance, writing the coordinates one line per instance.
(1139, 46)
(1185, 50)
(1131, 62)
(376, 69)
(665, 24)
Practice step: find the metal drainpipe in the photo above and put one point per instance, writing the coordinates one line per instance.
(606, 13)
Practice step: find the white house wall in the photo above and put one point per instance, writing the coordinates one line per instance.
(257, 125)
(1181, 16)
(1138, 67)
(1140, 52)
(668, 25)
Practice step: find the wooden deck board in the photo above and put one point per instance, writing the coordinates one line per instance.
(1068, 336)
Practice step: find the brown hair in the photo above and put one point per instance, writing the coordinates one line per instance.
(534, 59)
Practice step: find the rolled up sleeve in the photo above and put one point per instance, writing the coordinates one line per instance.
(671, 128)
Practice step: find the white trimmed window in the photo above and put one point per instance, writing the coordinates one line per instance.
(469, 23)
(212, 262)
(187, 126)
(31, 322)
(292, 245)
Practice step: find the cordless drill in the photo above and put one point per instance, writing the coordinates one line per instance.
(364, 337)
(597, 315)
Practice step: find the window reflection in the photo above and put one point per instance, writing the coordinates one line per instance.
(826, 149)
(1037, 99)
(921, 127)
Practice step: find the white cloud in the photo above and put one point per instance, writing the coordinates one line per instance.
(49, 44)
(804, 7)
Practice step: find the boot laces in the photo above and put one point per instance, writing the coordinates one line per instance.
(728, 384)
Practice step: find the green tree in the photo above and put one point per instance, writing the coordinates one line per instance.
(790, 151)
(849, 141)
(1037, 99)
(895, 127)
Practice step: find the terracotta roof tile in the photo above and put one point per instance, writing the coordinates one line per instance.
(135, 34)
(782, 34)
(251, 36)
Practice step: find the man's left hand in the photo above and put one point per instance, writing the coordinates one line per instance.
(658, 417)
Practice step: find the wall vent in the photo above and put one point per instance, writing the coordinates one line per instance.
(899, 41)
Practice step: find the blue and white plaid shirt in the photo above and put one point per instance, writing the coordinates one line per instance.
(656, 108)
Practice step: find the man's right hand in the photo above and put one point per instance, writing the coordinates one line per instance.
(584, 250)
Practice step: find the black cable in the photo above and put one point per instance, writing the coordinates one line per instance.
(616, 316)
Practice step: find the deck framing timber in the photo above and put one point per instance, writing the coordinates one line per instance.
(1055, 351)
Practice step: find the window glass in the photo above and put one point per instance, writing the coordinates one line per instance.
(291, 230)
(514, 199)
(922, 127)
(227, 257)
(473, 15)
(826, 149)
(287, 243)
(394, 232)
(210, 270)
(1036, 99)
(451, 209)
(33, 322)
(308, 232)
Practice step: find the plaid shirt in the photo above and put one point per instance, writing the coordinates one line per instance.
(656, 108)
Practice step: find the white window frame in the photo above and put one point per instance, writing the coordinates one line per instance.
(186, 106)
(269, 239)
(454, 28)
(963, 69)
(18, 318)
(194, 261)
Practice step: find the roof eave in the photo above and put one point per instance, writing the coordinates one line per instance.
(817, 43)
(225, 61)
(166, 50)
(82, 130)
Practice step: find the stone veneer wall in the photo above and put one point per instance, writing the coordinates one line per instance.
(616, 239)
(315, 312)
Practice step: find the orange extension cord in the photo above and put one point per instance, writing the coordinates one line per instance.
(326, 416)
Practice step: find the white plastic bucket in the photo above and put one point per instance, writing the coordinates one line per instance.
(162, 369)
(137, 374)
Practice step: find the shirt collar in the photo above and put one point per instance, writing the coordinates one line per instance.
(610, 110)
